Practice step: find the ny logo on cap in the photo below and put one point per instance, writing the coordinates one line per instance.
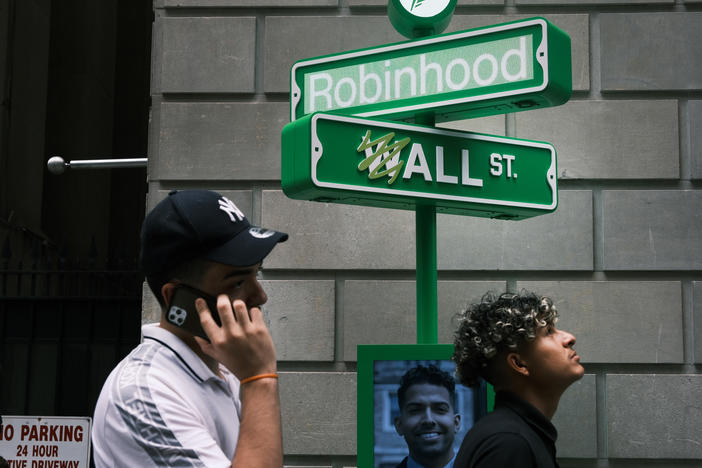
(230, 208)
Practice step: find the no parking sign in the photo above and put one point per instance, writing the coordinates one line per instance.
(45, 442)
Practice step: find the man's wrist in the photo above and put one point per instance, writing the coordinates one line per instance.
(258, 384)
(261, 391)
(253, 378)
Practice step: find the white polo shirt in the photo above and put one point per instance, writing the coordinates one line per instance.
(162, 406)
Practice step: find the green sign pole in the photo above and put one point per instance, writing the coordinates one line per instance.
(427, 295)
(413, 21)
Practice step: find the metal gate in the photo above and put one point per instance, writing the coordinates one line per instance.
(62, 330)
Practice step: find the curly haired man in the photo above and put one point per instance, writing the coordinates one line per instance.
(511, 341)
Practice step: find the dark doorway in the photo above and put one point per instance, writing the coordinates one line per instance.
(75, 83)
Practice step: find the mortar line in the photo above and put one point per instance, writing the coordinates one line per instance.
(338, 320)
(597, 231)
(684, 147)
(688, 326)
(601, 413)
(256, 205)
(595, 57)
(259, 35)
(511, 285)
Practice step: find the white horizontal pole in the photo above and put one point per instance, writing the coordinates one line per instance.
(57, 165)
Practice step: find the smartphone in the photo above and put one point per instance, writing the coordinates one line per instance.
(183, 314)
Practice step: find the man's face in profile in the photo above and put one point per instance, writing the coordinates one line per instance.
(428, 422)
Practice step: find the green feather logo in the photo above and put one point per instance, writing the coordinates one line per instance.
(416, 3)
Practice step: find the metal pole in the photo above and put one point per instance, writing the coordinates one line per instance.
(427, 296)
(57, 165)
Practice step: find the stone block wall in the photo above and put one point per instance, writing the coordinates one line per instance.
(622, 255)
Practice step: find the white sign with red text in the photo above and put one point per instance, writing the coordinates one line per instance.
(45, 442)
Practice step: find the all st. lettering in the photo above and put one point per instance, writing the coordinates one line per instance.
(502, 163)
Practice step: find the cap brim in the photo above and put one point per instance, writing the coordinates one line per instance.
(246, 248)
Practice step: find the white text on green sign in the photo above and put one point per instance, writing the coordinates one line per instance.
(351, 160)
(458, 69)
(498, 69)
(383, 159)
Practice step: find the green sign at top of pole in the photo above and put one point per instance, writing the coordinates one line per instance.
(418, 18)
(485, 71)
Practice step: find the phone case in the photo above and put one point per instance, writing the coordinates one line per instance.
(183, 314)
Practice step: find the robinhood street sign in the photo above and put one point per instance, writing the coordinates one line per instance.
(492, 70)
(345, 159)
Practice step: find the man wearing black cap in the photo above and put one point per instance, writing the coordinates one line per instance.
(179, 399)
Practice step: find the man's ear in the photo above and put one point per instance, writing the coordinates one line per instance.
(457, 422)
(517, 364)
(167, 292)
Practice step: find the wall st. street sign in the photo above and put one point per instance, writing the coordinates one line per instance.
(491, 70)
(345, 159)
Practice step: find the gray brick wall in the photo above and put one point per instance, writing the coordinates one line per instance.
(593, 141)
(232, 140)
(576, 420)
(697, 319)
(364, 299)
(652, 229)
(672, 401)
(558, 241)
(208, 55)
(629, 41)
(655, 336)
(621, 256)
(695, 136)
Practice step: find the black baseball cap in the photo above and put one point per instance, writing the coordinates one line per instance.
(200, 223)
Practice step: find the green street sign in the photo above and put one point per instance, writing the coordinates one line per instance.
(492, 70)
(345, 159)
(418, 18)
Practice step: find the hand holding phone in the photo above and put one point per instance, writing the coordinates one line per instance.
(183, 314)
(242, 343)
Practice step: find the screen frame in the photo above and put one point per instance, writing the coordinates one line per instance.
(367, 356)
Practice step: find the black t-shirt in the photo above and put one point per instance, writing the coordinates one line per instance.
(514, 435)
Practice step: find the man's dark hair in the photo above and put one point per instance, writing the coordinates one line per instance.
(496, 324)
(430, 375)
(189, 272)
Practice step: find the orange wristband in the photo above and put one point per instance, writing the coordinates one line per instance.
(257, 377)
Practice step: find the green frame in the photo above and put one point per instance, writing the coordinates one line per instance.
(367, 356)
(551, 84)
